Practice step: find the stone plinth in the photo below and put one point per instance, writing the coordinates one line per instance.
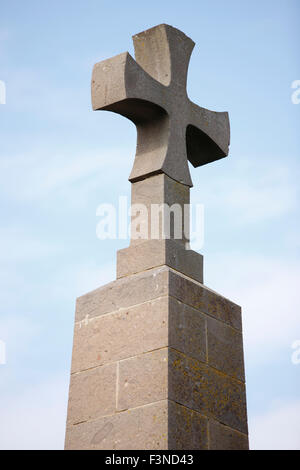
(157, 364)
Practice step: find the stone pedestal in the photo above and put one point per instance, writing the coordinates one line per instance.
(157, 364)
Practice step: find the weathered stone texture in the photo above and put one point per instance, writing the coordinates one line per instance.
(121, 334)
(92, 394)
(225, 349)
(187, 429)
(187, 330)
(180, 346)
(224, 438)
(161, 425)
(142, 428)
(143, 379)
(153, 253)
(184, 380)
(123, 293)
(204, 299)
(204, 389)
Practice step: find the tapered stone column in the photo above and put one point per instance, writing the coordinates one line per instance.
(157, 356)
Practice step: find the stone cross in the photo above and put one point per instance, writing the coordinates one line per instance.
(157, 358)
(151, 92)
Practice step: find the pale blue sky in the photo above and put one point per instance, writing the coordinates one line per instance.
(59, 161)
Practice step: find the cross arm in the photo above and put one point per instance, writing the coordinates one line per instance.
(207, 135)
(164, 53)
(120, 85)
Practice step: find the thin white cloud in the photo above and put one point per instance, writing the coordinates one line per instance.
(277, 428)
(29, 177)
(34, 91)
(79, 279)
(257, 202)
(18, 245)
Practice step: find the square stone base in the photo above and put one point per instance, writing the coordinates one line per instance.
(157, 364)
